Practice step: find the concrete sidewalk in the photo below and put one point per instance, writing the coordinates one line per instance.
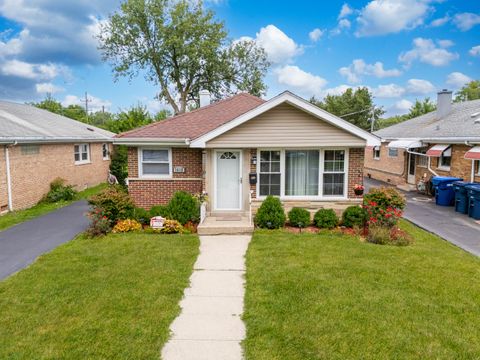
(209, 326)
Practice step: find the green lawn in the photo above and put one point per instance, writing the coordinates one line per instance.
(16, 217)
(331, 296)
(106, 298)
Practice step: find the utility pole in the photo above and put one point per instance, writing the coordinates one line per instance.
(87, 100)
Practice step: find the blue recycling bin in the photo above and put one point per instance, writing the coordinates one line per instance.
(474, 201)
(444, 192)
(461, 196)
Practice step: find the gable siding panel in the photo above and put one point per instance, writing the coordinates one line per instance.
(285, 126)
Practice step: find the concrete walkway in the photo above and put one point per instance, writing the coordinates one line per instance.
(459, 229)
(21, 244)
(209, 326)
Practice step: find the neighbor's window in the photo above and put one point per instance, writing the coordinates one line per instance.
(301, 172)
(30, 149)
(155, 162)
(392, 152)
(269, 173)
(422, 160)
(105, 152)
(82, 153)
(334, 173)
(445, 159)
(376, 153)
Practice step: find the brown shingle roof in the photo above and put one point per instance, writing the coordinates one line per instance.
(198, 122)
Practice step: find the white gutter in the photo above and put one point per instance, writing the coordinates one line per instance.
(429, 165)
(41, 140)
(151, 141)
(9, 179)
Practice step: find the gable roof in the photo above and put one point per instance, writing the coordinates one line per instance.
(198, 122)
(458, 124)
(26, 123)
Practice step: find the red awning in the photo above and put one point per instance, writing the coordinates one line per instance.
(473, 153)
(437, 150)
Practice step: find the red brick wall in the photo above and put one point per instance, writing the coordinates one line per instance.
(387, 169)
(32, 174)
(355, 170)
(147, 193)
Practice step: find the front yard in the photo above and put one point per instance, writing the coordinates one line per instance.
(105, 298)
(331, 296)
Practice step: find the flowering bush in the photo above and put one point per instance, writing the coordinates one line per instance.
(99, 225)
(127, 226)
(376, 215)
(171, 227)
(386, 197)
(383, 235)
(358, 187)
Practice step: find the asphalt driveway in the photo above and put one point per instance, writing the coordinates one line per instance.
(456, 228)
(21, 244)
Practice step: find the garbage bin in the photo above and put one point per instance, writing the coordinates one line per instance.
(461, 196)
(474, 200)
(444, 192)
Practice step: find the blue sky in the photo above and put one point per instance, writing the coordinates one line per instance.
(400, 49)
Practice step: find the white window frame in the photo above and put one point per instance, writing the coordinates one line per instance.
(154, 177)
(444, 167)
(108, 151)
(81, 161)
(393, 149)
(320, 195)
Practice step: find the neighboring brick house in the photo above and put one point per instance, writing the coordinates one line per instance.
(445, 142)
(241, 149)
(38, 146)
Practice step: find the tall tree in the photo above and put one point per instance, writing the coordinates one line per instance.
(355, 106)
(420, 107)
(182, 49)
(470, 91)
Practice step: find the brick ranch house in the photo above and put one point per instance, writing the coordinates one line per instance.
(39, 146)
(241, 149)
(444, 142)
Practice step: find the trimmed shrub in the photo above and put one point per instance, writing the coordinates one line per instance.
(385, 197)
(354, 216)
(59, 191)
(114, 203)
(299, 217)
(270, 215)
(127, 226)
(325, 219)
(171, 227)
(142, 216)
(158, 210)
(184, 207)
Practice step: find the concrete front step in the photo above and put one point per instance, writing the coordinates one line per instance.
(236, 225)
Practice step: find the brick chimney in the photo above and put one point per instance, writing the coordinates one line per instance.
(444, 103)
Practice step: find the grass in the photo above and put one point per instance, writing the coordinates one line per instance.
(332, 296)
(105, 298)
(42, 208)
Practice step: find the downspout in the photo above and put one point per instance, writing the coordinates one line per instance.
(9, 179)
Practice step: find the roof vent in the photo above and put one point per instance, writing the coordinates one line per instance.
(90, 129)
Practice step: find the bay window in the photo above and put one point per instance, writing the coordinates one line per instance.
(155, 163)
(302, 173)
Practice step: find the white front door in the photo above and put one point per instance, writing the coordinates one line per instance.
(411, 168)
(228, 180)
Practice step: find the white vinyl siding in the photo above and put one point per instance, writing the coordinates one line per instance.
(81, 154)
(286, 126)
(155, 163)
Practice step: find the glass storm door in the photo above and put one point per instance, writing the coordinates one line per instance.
(411, 168)
(228, 180)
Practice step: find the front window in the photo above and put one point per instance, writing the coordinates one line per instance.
(334, 173)
(301, 172)
(269, 173)
(445, 159)
(105, 152)
(82, 153)
(155, 162)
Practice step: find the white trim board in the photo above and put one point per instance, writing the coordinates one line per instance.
(291, 99)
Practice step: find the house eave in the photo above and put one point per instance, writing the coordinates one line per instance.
(448, 140)
(152, 141)
(52, 140)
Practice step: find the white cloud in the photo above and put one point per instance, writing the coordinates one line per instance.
(445, 43)
(345, 11)
(278, 46)
(48, 88)
(338, 90)
(427, 52)
(420, 87)
(465, 21)
(388, 91)
(94, 104)
(457, 79)
(475, 51)
(440, 21)
(315, 34)
(358, 67)
(343, 24)
(380, 17)
(302, 81)
(400, 107)
(25, 70)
